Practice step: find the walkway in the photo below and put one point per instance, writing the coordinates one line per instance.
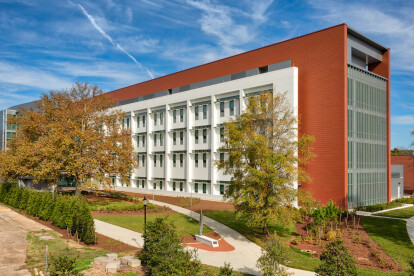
(410, 221)
(13, 231)
(243, 258)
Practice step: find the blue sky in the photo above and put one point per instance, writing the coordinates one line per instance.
(51, 44)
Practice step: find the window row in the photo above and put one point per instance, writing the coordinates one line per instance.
(178, 159)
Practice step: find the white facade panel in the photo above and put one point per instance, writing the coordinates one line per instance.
(180, 122)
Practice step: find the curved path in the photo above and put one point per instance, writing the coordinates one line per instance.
(410, 221)
(243, 258)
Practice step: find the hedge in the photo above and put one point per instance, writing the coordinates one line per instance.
(63, 211)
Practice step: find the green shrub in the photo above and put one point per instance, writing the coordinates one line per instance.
(63, 211)
(406, 200)
(336, 260)
(163, 252)
(379, 207)
(63, 264)
(273, 258)
(226, 269)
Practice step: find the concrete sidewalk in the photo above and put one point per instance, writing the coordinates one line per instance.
(245, 255)
(243, 258)
(13, 231)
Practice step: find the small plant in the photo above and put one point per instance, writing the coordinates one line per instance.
(296, 240)
(226, 269)
(336, 260)
(63, 264)
(272, 259)
(357, 240)
(331, 235)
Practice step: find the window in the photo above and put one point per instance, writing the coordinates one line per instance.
(161, 139)
(204, 111)
(127, 122)
(174, 115)
(196, 112)
(143, 120)
(221, 109)
(204, 160)
(154, 185)
(181, 186)
(174, 160)
(160, 185)
(222, 134)
(231, 107)
(138, 141)
(196, 160)
(196, 187)
(181, 160)
(155, 161)
(142, 184)
(143, 160)
(204, 188)
(196, 136)
(221, 156)
(181, 115)
(181, 137)
(174, 138)
(161, 118)
(204, 136)
(161, 157)
(222, 189)
(155, 119)
(143, 141)
(113, 180)
(155, 139)
(138, 118)
(173, 186)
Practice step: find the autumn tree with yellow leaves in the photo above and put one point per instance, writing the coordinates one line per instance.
(75, 133)
(265, 158)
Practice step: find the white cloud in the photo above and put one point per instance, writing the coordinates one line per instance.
(31, 76)
(219, 21)
(402, 120)
(104, 34)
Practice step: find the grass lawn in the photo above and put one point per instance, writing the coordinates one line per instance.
(184, 225)
(399, 213)
(36, 251)
(392, 236)
(393, 241)
(299, 260)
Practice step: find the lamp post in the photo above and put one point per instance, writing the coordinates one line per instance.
(144, 201)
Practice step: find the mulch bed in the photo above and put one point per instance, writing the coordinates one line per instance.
(361, 246)
(223, 245)
(129, 213)
(103, 242)
(206, 205)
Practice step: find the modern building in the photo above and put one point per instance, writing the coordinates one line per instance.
(337, 81)
(407, 162)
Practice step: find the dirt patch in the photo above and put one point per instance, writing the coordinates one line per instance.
(101, 240)
(184, 202)
(361, 246)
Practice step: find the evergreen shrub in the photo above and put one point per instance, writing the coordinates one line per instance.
(70, 212)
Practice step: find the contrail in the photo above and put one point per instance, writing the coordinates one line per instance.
(93, 22)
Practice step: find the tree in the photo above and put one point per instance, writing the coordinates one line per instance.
(163, 252)
(272, 259)
(336, 260)
(265, 158)
(73, 133)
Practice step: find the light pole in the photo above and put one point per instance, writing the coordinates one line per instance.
(144, 201)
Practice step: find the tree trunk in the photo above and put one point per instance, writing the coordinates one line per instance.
(78, 190)
(265, 230)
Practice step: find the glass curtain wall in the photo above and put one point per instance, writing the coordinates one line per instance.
(367, 138)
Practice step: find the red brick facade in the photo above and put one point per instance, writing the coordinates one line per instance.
(321, 58)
